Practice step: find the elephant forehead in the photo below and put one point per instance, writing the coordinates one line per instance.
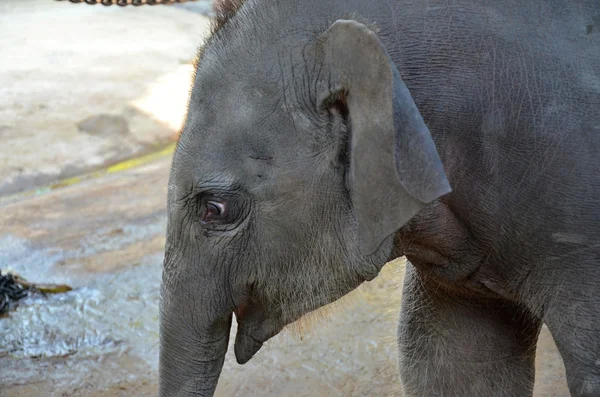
(244, 152)
(243, 130)
(241, 102)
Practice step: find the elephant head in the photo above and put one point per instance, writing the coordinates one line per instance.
(301, 155)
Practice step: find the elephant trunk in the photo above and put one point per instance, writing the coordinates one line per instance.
(193, 344)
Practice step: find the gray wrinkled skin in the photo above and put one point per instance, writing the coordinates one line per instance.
(334, 146)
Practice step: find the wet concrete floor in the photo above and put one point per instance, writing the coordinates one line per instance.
(104, 236)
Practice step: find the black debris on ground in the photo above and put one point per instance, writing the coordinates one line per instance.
(10, 292)
(14, 288)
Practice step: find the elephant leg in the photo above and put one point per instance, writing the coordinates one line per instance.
(573, 318)
(454, 346)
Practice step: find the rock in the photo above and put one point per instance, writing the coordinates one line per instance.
(104, 125)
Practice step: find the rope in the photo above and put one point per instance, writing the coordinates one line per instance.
(124, 3)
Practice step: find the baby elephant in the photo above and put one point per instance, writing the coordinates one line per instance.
(327, 137)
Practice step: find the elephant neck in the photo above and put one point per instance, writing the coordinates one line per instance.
(438, 243)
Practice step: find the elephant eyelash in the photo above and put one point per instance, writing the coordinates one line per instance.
(237, 207)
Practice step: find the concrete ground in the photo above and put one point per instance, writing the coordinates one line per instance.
(85, 86)
(103, 90)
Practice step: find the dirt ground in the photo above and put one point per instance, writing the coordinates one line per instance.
(96, 95)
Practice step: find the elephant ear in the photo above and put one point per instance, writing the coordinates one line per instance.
(395, 169)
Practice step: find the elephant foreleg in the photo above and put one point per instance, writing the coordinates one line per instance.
(454, 346)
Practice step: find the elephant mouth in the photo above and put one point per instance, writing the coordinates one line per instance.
(246, 346)
(254, 329)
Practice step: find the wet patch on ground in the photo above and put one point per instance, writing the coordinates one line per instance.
(113, 318)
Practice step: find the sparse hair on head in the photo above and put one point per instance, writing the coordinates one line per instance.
(224, 11)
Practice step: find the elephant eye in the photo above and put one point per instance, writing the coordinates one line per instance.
(214, 211)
